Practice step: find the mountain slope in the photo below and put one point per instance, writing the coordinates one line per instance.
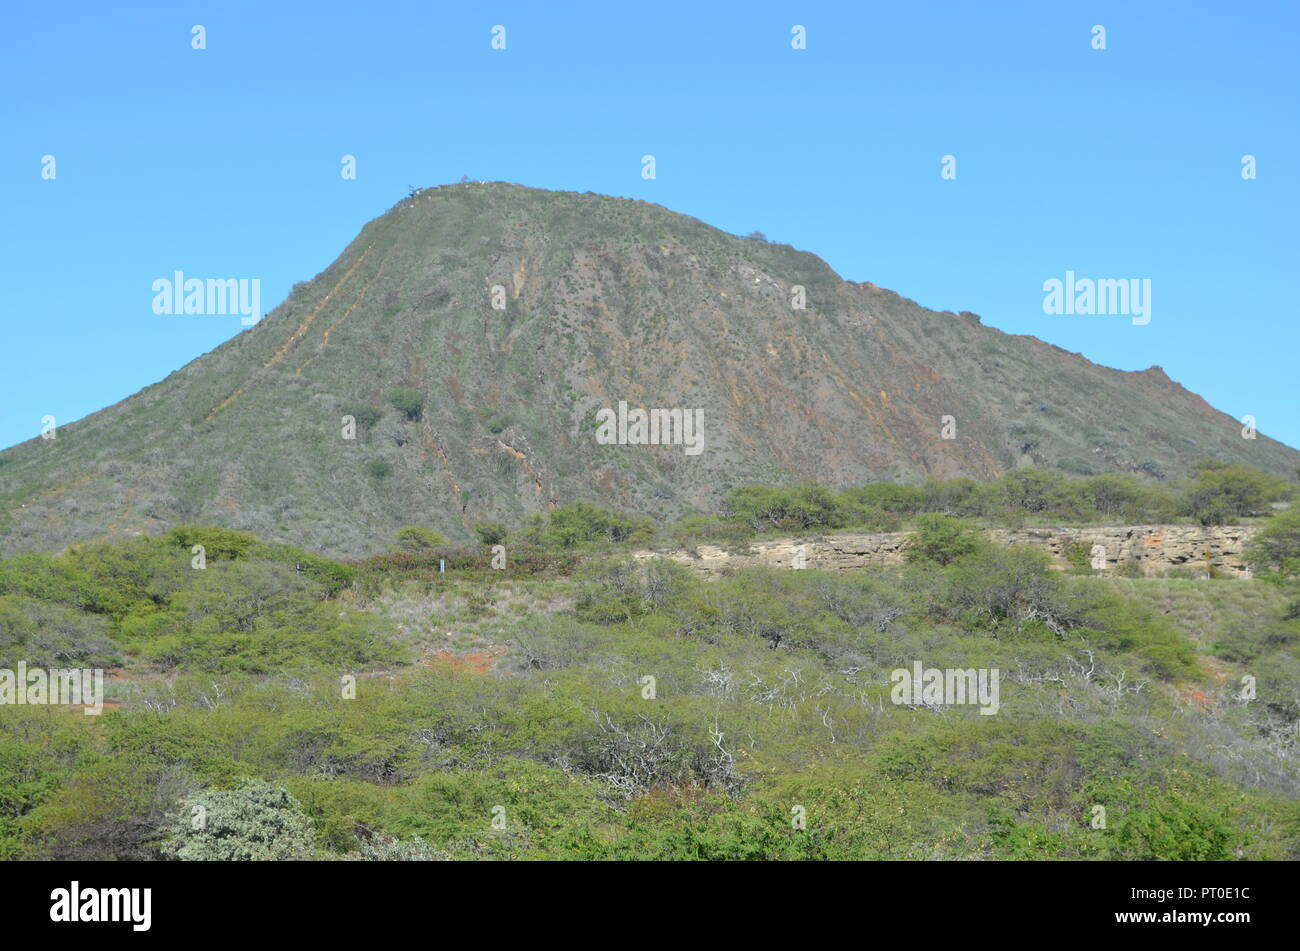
(605, 299)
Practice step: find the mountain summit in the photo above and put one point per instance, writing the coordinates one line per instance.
(504, 349)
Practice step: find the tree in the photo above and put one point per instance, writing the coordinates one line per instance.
(413, 538)
(217, 542)
(366, 416)
(887, 497)
(1219, 492)
(407, 401)
(578, 522)
(48, 634)
(490, 533)
(1033, 490)
(953, 496)
(798, 507)
(1112, 495)
(943, 539)
(1276, 549)
(1005, 583)
(111, 808)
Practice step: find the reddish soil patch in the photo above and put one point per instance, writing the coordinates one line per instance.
(477, 662)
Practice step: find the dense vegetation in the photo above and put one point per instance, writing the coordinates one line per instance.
(576, 703)
(1214, 494)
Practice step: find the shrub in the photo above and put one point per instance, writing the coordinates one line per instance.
(257, 822)
(1276, 549)
(943, 539)
(1116, 495)
(49, 634)
(1078, 556)
(111, 808)
(953, 496)
(1005, 583)
(26, 779)
(1034, 490)
(887, 497)
(1220, 492)
(382, 848)
(1129, 568)
(254, 616)
(414, 538)
(406, 401)
(696, 529)
(579, 523)
(1172, 828)
(799, 507)
(217, 542)
(490, 533)
(366, 416)
(379, 468)
(495, 420)
(1122, 625)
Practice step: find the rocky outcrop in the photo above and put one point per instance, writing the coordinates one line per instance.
(1154, 549)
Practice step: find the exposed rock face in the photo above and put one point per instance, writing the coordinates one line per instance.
(1155, 548)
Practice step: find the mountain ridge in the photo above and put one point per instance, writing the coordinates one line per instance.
(605, 299)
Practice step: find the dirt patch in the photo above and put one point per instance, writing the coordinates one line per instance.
(476, 662)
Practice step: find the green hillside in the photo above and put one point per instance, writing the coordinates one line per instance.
(467, 413)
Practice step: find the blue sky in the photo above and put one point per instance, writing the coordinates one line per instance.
(225, 162)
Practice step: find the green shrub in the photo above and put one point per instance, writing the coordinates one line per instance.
(109, 807)
(1034, 490)
(1129, 568)
(490, 533)
(1172, 828)
(1275, 550)
(257, 822)
(998, 583)
(1121, 625)
(1221, 492)
(48, 634)
(256, 617)
(494, 420)
(700, 529)
(580, 523)
(797, 508)
(955, 496)
(27, 778)
(408, 402)
(366, 416)
(1078, 556)
(414, 538)
(216, 542)
(887, 497)
(942, 539)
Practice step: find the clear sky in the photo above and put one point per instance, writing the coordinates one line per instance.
(225, 162)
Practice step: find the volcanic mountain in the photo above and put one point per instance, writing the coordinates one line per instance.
(475, 332)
